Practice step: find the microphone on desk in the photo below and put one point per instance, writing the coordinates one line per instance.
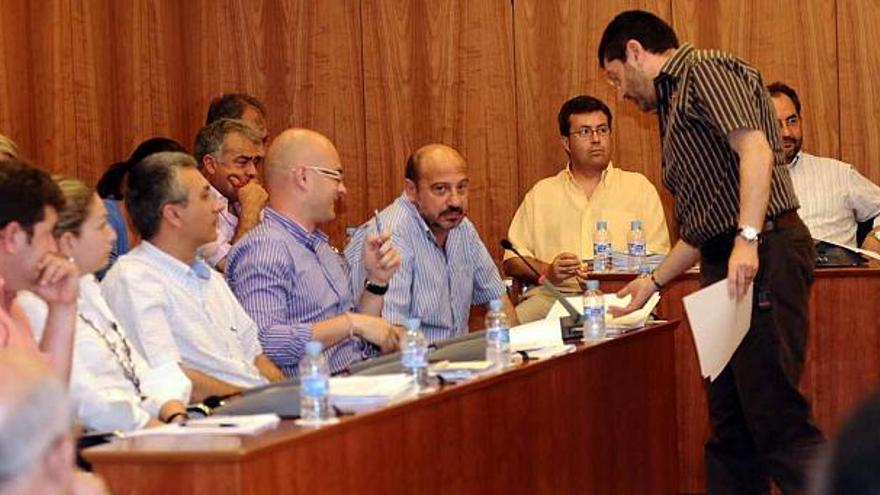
(570, 325)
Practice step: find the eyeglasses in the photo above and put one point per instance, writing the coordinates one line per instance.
(330, 173)
(790, 121)
(588, 132)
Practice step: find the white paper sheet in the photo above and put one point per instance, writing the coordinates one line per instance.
(536, 335)
(718, 323)
(636, 319)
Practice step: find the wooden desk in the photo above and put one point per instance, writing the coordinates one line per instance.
(600, 420)
(843, 357)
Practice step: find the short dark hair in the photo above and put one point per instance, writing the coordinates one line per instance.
(211, 137)
(153, 183)
(232, 106)
(653, 33)
(25, 191)
(110, 184)
(577, 105)
(780, 88)
(411, 171)
(855, 460)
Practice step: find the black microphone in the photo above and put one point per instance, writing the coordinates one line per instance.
(569, 324)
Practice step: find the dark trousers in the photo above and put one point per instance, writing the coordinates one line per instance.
(762, 426)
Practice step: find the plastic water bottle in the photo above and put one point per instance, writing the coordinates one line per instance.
(497, 336)
(594, 312)
(314, 390)
(601, 247)
(635, 246)
(414, 353)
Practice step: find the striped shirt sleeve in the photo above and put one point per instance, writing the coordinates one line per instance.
(487, 280)
(261, 279)
(396, 307)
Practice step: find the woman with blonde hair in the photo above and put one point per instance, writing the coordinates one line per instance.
(113, 387)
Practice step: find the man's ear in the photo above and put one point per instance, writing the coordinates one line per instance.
(566, 144)
(634, 52)
(410, 188)
(12, 237)
(209, 165)
(171, 214)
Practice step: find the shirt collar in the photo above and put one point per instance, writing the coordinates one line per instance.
(570, 175)
(197, 268)
(303, 236)
(796, 161)
(674, 67)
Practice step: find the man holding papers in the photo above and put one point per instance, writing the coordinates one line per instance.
(737, 210)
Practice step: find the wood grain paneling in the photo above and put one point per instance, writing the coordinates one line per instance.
(556, 46)
(442, 71)
(859, 98)
(793, 41)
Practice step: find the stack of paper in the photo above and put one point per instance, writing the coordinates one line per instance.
(536, 335)
(456, 371)
(215, 425)
(363, 393)
(636, 319)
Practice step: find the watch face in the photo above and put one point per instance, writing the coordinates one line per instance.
(749, 233)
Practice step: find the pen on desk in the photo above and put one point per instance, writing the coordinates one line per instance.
(379, 228)
(208, 425)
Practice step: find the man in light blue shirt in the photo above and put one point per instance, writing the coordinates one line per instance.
(445, 267)
(292, 281)
(176, 308)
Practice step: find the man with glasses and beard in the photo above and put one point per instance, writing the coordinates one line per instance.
(833, 194)
(444, 266)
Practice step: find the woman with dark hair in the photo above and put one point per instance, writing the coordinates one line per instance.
(110, 188)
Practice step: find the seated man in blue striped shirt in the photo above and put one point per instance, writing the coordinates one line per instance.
(291, 281)
(445, 267)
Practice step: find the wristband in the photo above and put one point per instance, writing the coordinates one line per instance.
(657, 284)
(374, 288)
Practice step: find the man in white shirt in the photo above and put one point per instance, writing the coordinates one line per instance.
(230, 155)
(174, 306)
(833, 195)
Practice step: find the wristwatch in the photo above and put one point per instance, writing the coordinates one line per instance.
(748, 233)
(374, 288)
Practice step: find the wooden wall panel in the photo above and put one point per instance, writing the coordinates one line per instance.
(790, 40)
(16, 91)
(556, 48)
(442, 71)
(859, 96)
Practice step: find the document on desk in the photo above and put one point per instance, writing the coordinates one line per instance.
(536, 335)
(718, 323)
(636, 319)
(215, 425)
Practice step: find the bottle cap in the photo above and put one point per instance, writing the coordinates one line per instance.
(635, 224)
(495, 305)
(601, 225)
(592, 285)
(413, 323)
(313, 348)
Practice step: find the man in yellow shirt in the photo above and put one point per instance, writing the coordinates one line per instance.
(553, 227)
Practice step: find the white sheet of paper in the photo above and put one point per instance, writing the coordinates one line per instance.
(718, 323)
(536, 335)
(636, 319)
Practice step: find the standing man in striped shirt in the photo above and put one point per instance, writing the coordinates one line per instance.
(737, 211)
(445, 267)
(291, 281)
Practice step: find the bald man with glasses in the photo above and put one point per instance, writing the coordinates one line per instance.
(288, 277)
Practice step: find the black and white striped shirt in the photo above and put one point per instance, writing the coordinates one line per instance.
(703, 95)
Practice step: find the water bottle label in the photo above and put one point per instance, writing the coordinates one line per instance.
(594, 312)
(504, 335)
(636, 248)
(414, 358)
(314, 386)
(601, 248)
